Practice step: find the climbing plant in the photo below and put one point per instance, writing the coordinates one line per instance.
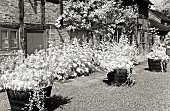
(99, 16)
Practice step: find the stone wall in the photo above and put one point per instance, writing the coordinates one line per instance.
(9, 11)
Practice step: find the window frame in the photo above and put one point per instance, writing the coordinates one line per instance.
(17, 39)
(9, 39)
(5, 30)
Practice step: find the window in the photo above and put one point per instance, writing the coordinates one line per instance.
(142, 37)
(8, 39)
(4, 39)
(13, 40)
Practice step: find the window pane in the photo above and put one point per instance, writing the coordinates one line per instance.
(4, 35)
(13, 35)
(5, 44)
(13, 43)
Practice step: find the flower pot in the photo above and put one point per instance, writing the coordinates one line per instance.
(157, 65)
(18, 99)
(117, 76)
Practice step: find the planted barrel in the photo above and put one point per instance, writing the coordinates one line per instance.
(117, 76)
(168, 51)
(18, 99)
(157, 65)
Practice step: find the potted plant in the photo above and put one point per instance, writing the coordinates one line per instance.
(32, 77)
(29, 84)
(157, 58)
(118, 61)
(119, 69)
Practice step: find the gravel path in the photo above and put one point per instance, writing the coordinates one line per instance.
(150, 93)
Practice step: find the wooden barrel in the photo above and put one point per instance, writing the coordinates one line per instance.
(168, 51)
(117, 76)
(18, 99)
(154, 65)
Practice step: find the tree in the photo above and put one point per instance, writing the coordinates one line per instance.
(99, 16)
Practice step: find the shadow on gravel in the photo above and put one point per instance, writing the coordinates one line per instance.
(107, 82)
(129, 83)
(1, 91)
(155, 70)
(112, 84)
(147, 69)
(57, 101)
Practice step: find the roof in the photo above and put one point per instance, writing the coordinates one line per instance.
(9, 11)
(53, 1)
(28, 26)
(139, 1)
(159, 26)
(58, 1)
(160, 15)
(148, 2)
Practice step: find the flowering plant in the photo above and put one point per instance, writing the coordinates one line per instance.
(100, 16)
(117, 56)
(71, 60)
(38, 70)
(158, 52)
(10, 60)
(24, 78)
(29, 74)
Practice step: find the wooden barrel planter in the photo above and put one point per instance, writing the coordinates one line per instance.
(168, 51)
(157, 65)
(117, 76)
(18, 99)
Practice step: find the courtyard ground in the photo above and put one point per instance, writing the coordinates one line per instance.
(150, 93)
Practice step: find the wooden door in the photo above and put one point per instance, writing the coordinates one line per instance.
(35, 40)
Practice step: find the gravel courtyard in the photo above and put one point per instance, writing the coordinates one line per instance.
(150, 93)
